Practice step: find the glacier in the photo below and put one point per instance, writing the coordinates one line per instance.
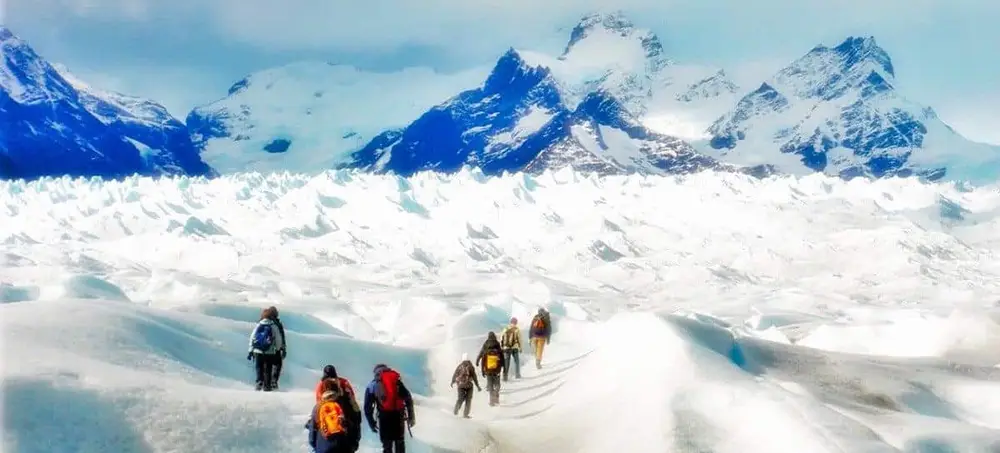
(721, 312)
(55, 124)
(307, 116)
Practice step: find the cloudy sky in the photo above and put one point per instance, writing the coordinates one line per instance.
(187, 52)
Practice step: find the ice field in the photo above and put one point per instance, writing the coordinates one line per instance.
(709, 313)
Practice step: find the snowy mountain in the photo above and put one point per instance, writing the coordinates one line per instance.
(583, 109)
(608, 52)
(837, 110)
(54, 125)
(308, 116)
(519, 120)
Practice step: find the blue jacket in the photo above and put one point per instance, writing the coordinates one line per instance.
(337, 443)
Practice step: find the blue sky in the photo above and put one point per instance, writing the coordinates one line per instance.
(187, 52)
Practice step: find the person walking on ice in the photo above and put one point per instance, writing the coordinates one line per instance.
(330, 427)
(465, 377)
(266, 344)
(510, 341)
(540, 334)
(391, 400)
(490, 360)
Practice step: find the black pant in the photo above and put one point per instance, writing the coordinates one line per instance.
(390, 432)
(507, 356)
(493, 387)
(264, 364)
(464, 397)
(278, 361)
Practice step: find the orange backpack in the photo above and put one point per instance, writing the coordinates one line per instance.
(330, 419)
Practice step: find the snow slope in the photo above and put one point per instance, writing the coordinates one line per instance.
(307, 116)
(54, 125)
(834, 316)
(837, 110)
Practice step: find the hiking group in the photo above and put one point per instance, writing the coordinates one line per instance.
(335, 422)
(496, 357)
(334, 425)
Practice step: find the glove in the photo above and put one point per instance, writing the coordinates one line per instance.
(373, 427)
(283, 353)
(452, 385)
(249, 356)
(410, 422)
(479, 389)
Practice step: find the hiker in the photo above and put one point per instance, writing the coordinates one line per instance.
(280, 360)
(465, 377)
(510, 341)
(387, 395)
(265, 342)
(491, 361)
(540, 334)
(330, 430)
(347, 401)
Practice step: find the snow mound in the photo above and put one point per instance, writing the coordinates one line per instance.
(832, 316)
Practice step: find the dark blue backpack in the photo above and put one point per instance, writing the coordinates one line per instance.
(263, 337)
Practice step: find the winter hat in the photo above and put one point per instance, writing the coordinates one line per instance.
(329, 371)
(378, 368)
(465, 356)
(513, 321)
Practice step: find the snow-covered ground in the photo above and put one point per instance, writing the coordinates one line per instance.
(713, 313)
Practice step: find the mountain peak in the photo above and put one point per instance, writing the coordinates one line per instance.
(612, 20)
(616, 24)
(857, 50)
(511, 71)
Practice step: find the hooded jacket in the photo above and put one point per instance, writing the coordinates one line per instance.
(491, 344)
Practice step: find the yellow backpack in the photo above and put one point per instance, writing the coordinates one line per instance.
(492, 361)
(330, 419)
